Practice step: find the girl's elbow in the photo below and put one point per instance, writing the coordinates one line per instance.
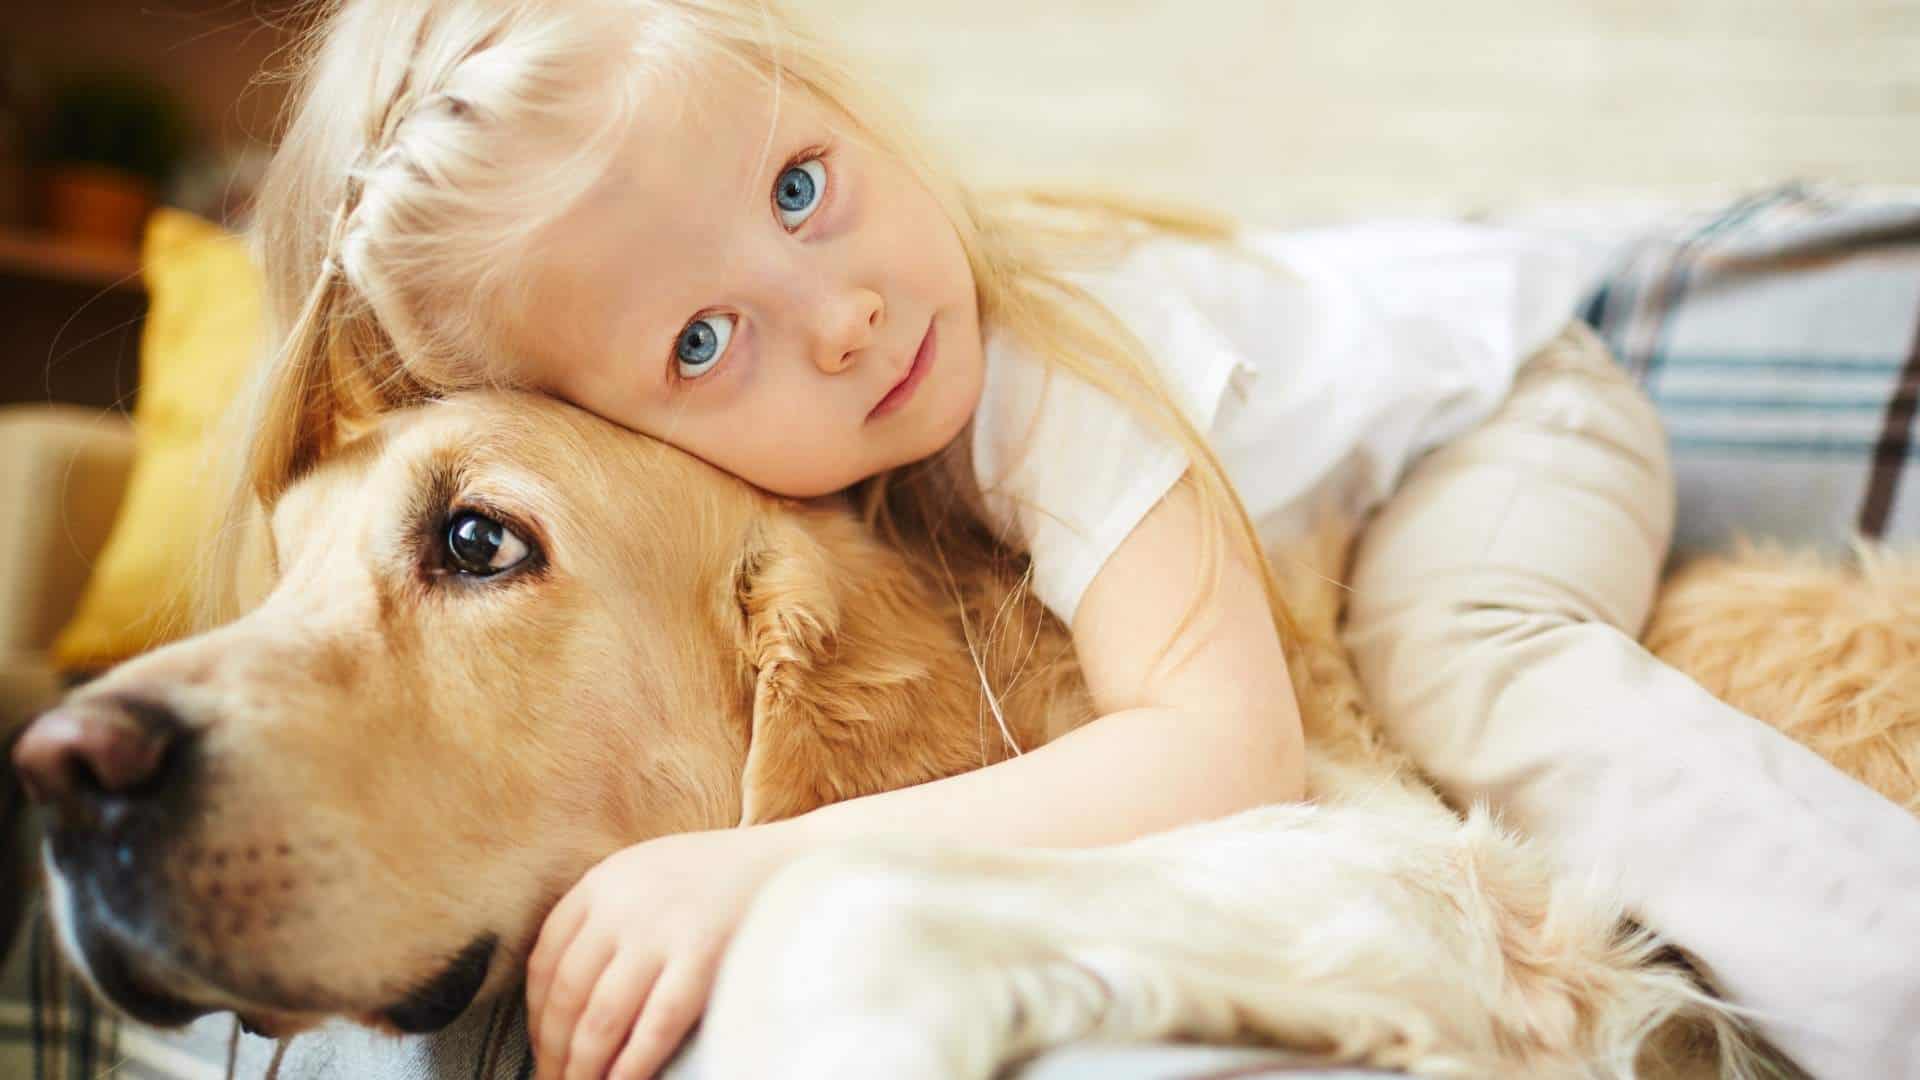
(1271, 752)
(1282, 742)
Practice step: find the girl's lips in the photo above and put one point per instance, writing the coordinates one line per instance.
(902, 390)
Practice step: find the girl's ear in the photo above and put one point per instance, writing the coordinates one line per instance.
(859, 685)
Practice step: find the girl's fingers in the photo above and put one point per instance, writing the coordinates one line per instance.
(578, 971)
(677, 1001)
(556, 934)
(611, 1012)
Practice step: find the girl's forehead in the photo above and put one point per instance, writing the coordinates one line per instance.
(717, 128)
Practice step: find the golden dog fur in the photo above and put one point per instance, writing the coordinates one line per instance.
(1828, 653)
(397, 762)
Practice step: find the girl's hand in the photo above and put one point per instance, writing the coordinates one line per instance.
(626, 960)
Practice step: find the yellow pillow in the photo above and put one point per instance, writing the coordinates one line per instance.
(204, 329)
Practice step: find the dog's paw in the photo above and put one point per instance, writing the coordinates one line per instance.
(840, 970)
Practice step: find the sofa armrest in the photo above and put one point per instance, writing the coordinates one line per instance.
(62, 471)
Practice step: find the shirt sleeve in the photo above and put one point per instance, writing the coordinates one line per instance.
(1066, 471)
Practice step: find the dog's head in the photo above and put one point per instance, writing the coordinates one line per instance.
(504, 640)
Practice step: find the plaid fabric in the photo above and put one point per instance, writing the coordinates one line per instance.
(51, 1029)
(1781, 339)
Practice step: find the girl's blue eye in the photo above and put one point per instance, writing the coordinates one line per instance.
(702, 344)
(797, 194)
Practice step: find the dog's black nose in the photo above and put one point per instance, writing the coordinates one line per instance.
(73, 758)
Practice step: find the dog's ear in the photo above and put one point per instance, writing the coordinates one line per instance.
(852, 669)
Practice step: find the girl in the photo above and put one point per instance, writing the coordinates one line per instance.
(680, 215)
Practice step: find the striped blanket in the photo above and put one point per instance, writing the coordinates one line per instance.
(1780, 337)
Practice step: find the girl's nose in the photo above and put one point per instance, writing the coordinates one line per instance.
(847, 326)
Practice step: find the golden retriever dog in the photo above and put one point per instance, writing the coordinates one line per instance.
(505, 639)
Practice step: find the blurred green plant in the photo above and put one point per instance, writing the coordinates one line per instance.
(118, 121)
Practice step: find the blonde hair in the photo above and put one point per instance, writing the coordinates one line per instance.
(433, 141)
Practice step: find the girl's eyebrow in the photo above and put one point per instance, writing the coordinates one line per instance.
(774, 115)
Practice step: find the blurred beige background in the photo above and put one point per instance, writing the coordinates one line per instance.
(1304, 108)
(1276, 108)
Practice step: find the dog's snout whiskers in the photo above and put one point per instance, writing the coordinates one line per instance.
(273, 1064)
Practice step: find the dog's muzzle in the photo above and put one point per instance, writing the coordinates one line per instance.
(113, 775)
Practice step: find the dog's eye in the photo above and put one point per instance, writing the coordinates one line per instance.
(481, 546)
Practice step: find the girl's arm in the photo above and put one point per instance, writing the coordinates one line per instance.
(1189, 729)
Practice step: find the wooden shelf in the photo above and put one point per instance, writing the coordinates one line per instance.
(37, 255)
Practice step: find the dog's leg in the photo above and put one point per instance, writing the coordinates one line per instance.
(1416, 943)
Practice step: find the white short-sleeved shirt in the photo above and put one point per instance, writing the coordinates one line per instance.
(1317, 377)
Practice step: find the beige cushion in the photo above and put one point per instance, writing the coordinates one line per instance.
(28, 687)
(62, 471)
